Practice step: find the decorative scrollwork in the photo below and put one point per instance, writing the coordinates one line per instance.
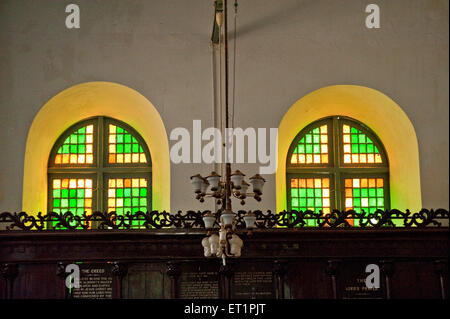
(193, 219)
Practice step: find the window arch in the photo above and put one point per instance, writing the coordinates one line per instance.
(337, 163)
(99, 164)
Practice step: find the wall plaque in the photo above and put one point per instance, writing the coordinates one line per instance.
(199, 285)
(96, 282)
(354, 281)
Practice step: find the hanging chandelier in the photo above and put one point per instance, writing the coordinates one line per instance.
(222, 241)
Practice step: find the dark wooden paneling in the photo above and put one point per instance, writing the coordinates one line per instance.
(37, 281)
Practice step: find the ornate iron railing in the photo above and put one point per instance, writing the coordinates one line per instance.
(193, 219)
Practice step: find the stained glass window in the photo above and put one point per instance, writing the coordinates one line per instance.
(312, 148)
(124, 147)
(337, 163)
(78, 148)
(358, 147)
(115, 169)
(310, 194)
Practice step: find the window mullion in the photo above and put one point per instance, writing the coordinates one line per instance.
(336, 164)
(100, 160)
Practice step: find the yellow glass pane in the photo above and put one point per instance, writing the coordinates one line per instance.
(73, 158)
(73, 183)
(135, 158)
(112, 138)
(89, 138)
(112, 192)
(112, 129)
(89, 159)
(346, 138)
(379, 182)
(346, 129)
(355, 158)
(112, 158)
(294, 159)
(81, 159)
(119, 158)
(135, 182)
(143, 182)
(317, 183)
(370, 158)
(310, 183)
(364, 202)
(323, 129)
(112, 183)
(325, 182)
(309, 159)
(112, 148)
(58, 159)
(294, 183)
(80, 183)
(378, 158)
(127, 158)
(143, 158)
(324, 139)
(302, 183)
(363, 182)
(325, 159)
(119, 182)
(347, 148)
(90, 129)
(56, 183)
(302, 159)
(356, 182)
(372, 183)
(362, 158)
(316, 159)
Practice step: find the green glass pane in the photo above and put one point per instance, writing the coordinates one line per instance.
(354, 148)
(127, 192)
(354, 130)
(65, 193)
(372, 192)
(380, 202)
(64, 203)
(73, 139)
(135, 209)
(82, 130)
(370, 148)
(310, 192)
(73, 149)
(56, 203)
(119, 192)
(356, 192)
(143, 192)
(364, 192)
(318, 202)
(135, 192)
(73, 202)
(301, 149)
(380, 192)
(316, 149)
(80, 202)
(294, 192)
(127, 138)
(354, 139)
(72, 193)
(316, 130)
(141, 150)
(119, 210)
(135, 148)
(119, 130)
(303, 202)
(294, 202)
(318, 192)
(80, 193)
(119, 138)
(127, 148)
(66, 149)
(119, 148)
(302, 141)
(376, 150)
(134, 141)
(372, 202)
(127, 202)
(81, 149)
(308, 138)
(56, 193)
(362, 148)
(135, 202)
(316, 139)
(356, 202)
(302, 192)
(310, 202)
(309, 149)
(81, 139)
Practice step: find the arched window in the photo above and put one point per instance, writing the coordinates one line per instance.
(337, 163)
(99, 164)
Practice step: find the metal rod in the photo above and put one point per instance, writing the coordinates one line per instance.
(228, 165)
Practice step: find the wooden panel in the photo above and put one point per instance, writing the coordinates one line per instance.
(37, 281)
(146, 281)
(308, 280)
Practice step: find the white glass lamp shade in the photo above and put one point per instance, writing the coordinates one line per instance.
(257, 182)
(204, 186)
(213, 181)
(236, 178)
(197, 181)
(244, 187)
(227, 218)
(250, 220)
(209, 220)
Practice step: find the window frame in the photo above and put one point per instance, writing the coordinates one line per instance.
(100, 168)
(336, 168)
